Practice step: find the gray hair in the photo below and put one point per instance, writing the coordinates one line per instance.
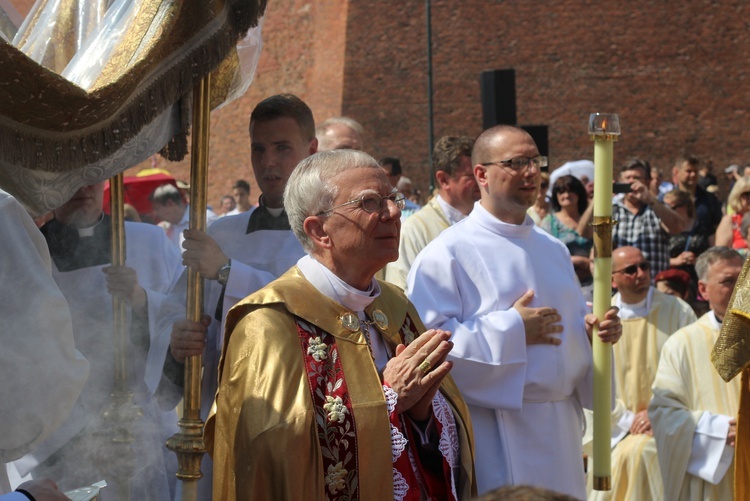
(321, 129)
(309, 191)
(165, 193)
(714, 255)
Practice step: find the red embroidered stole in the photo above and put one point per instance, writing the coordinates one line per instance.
(337, 432)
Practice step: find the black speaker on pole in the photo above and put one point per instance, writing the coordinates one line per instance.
(540, 135)
(498, 98)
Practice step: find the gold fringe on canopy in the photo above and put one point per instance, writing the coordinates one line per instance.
(49, 124)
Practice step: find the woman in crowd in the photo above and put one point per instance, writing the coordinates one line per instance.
(540, 209)
(728, 233)
(570, 222)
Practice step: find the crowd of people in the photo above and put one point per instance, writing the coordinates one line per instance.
(359, 342)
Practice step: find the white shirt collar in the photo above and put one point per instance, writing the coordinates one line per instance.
(89, 232)
(714, 321)
(635, 310)
(451, 213)
(331, 286)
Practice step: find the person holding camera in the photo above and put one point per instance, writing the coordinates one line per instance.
(642, 220)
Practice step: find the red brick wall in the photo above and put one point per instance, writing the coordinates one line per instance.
(677, 74)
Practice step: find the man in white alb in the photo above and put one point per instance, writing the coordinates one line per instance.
(522, 353)
(693, 411)
(240, 254)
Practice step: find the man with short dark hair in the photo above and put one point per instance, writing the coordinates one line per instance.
(643, 221)
(457, 192)
(693, 411)
(708, 212)
(241, 195)
(240, 254)
(392, 168)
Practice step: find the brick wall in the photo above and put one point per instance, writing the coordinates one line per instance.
(675, 72)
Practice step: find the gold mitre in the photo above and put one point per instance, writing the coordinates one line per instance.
(731, 353)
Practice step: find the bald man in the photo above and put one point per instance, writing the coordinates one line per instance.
(648, 318)
(507, 291)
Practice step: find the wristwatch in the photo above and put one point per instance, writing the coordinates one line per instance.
(223, 274)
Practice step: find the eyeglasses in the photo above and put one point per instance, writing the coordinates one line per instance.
(372, 203)
(519, 164)
(633, 268)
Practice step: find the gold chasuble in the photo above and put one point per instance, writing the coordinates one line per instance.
(265, 431)
(635, 468)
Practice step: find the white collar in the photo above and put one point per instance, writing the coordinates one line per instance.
(635, 310)
(714, 321)
(452, 214)
(89, 231)
(508, 230)
(331, 286)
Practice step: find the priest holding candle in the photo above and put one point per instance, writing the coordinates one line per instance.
(522, 339)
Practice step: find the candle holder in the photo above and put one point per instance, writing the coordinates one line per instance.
(604, 129)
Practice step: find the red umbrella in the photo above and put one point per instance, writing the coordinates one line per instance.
(137, 191)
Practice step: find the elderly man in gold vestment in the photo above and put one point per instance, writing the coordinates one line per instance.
(329, 386)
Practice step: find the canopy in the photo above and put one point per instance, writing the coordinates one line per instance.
(110, 109)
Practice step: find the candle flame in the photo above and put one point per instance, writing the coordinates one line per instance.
(604, 124)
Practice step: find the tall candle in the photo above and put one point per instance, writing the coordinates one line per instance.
(602, 302)
(604, 129)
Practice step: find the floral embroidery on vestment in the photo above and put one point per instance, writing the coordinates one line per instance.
(334, 419)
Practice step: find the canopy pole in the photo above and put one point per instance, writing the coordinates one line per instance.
(188, 442)
(118, 417)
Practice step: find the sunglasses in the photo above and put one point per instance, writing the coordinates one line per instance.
(633, 268)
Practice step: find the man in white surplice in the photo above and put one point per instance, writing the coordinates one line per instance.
(38, 350)
(522, 354)
(239, 254)
(79, 240)
(693, 411)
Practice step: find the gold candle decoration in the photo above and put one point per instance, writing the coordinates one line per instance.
(603, 129)
(188, 442)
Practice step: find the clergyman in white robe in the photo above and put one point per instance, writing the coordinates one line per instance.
(68, 456)
(525, 401)
(690, 413)
(42, 373)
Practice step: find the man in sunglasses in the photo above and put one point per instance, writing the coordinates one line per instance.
(693, 411)
(507, 291)
(648, 318)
